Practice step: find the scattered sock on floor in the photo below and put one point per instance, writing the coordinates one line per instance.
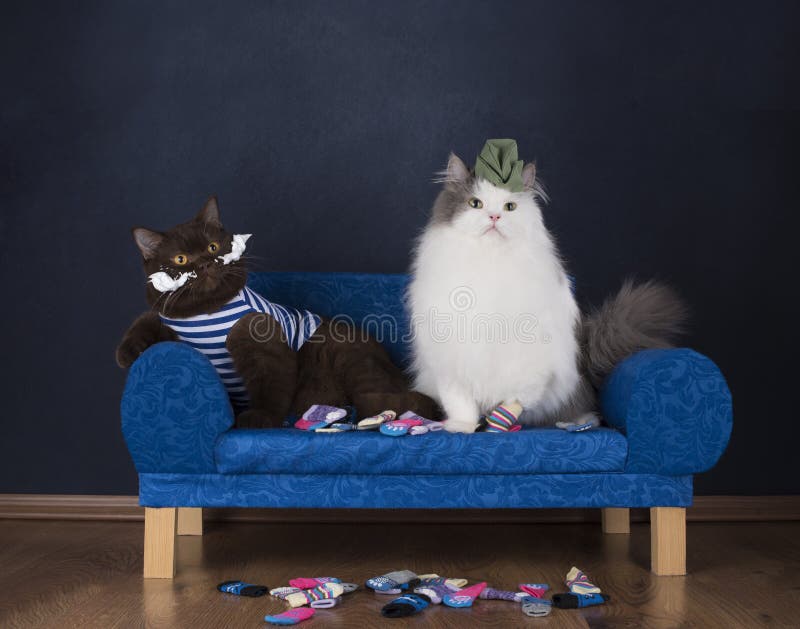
(568, 600)
(326, 603)
(401, 588)
(504, 418)
(291, 617)
(349, 587)
(578, 583)
(390, 580)
(536, 607)
(434, 591)
(320, 416)
(534, 589)
(406, 605)
(465, 596)
(240, 588)
(306, 583)
(499, 595)
(326, 590)
(283, 592)
(453, 584)
(374, 422)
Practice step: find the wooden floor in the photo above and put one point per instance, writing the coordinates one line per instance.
(88, 574)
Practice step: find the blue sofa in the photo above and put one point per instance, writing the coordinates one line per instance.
(668, 414)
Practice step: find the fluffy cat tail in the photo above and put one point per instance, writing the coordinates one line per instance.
(640, 316)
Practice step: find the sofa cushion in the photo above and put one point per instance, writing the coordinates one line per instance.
(529, 451)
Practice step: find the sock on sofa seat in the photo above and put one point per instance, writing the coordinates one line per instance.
(568, 600)
(319, 416)
(400, 427)
(406, 605)
(578, 583)
(291, 617)
(374, 422)
(326, 590)
(240, 588)
(504, 417)
(464, 597)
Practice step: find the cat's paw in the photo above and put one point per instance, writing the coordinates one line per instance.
(129, 350)
(460, 425)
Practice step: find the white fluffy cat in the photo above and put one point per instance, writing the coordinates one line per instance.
(493, 314)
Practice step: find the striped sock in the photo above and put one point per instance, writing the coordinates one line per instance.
(326, 590)
(283, 592)
(578, 583)
(500, 595)
(305, 583)
(504, 418)
(434, 591)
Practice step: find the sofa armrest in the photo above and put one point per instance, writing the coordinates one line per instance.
(173, 409)
(675, 408)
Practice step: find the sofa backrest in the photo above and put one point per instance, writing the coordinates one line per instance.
(372, 301)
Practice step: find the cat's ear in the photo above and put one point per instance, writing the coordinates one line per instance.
(529, 176)
(148, 241)
(457, 171)
(210, 212)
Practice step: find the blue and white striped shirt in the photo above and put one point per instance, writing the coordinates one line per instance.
(207, 333)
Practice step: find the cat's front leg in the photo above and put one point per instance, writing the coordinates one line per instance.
(145, 331)
(461, 410)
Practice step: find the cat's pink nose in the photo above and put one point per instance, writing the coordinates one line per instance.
(494, 217)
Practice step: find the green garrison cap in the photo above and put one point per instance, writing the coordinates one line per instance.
(498, 163)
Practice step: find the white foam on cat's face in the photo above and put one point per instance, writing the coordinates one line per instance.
(163, 282)
(238, 245)
(518, 223)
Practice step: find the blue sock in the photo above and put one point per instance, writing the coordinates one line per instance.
(240, 588)
(574, 601)
(405, 605)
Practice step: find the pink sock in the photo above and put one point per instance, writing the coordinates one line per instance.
(534, 589)
(308, 583)
(291, 617)
(465, 596)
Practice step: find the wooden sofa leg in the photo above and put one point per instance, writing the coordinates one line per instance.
(159, 542)
(668, 540)
(190, 521)
(616, 520)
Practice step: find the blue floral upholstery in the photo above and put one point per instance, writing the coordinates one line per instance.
(675, 408)
(414, 491)
(669, 412)
(534, 451)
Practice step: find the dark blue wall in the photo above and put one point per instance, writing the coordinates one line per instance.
(666, 133)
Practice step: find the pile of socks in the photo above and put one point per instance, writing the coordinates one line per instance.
(416, 592)
(331, 419)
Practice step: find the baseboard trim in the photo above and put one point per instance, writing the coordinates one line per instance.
(78, 507)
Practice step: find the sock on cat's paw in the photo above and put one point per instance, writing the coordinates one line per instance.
(504, 417)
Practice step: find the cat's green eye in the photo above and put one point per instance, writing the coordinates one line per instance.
(476, 203)
(510, 206)
(180, 259)
(213, 247)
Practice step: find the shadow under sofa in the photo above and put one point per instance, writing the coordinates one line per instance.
(668, 412)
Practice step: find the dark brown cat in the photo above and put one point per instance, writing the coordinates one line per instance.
(282, 373)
